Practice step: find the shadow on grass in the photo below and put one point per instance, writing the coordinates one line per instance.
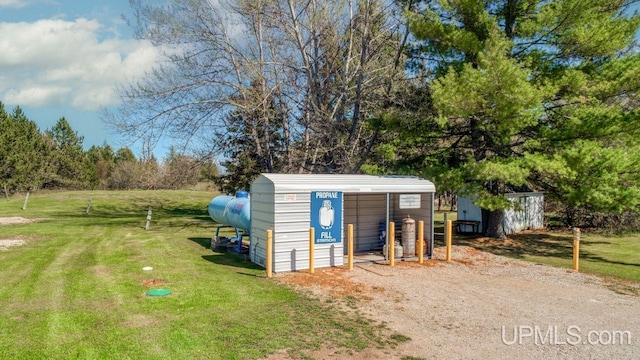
(204, 242)
(231, 259)
(596, 258)
(556, 245)
(521, 245)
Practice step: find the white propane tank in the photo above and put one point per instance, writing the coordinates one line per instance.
(409, 236)
(397, 253)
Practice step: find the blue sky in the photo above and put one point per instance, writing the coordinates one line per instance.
(62, 58)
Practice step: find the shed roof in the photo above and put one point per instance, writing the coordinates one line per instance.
(345, 183)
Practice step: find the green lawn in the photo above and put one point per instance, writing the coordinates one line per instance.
(615, 257)
(75, 290)
(611, 256)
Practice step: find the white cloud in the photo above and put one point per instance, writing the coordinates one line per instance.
(35, 95)
(58, 62)
(13, 3)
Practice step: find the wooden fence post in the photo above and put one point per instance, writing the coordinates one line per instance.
(146, 227)
(26, 200)
(89, 205)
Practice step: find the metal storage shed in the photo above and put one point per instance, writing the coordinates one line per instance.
(527, 212)
(283, 202)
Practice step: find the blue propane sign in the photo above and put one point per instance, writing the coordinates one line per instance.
(326, 216)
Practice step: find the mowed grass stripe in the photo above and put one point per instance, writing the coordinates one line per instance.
(77, 286)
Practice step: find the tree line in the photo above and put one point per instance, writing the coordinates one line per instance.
(56, 159)
(482, 97)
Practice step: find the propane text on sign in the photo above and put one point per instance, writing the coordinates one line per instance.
(326, 216)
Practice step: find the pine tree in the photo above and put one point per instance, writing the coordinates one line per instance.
(101, 164)
(68, 158)
(526, 90)
(24, 154)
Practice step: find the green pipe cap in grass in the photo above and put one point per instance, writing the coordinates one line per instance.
(158, 292)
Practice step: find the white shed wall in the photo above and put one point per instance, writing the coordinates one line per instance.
(467, 210)
(526, 214)
(288, 215)
(262, 218)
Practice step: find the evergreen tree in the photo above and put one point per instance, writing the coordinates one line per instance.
(244, 160)
(124, 155)
(525, 91)
(6, 137)
(68, 158)
(24, 154)
(102, 162)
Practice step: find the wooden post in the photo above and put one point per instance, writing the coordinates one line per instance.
(89, 205)
(350, 246)
(447, 237)
(146, 227)
(312, 235)
(26, 200)
(392, 244)
(269, 254)
(576, 249)
(6, 193)
(420, 241)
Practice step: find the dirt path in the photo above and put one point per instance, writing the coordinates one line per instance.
(483, 306)
(5, 244)
(14, 220)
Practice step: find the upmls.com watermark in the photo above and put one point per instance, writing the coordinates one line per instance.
(571, 335)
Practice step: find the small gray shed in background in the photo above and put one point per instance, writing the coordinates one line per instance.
(282, 203)
(526, 214)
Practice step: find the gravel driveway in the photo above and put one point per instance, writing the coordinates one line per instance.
(483, 306)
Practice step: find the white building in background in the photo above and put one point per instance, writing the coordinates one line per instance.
(527, 213)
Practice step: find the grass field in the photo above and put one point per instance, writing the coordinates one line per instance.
(614, 256)
(76, 288)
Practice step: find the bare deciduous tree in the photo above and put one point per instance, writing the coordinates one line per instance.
(298, 80)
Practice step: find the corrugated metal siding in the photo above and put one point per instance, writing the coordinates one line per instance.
(291, 235)
(365, 212)
(527, 214)
(262, 219)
